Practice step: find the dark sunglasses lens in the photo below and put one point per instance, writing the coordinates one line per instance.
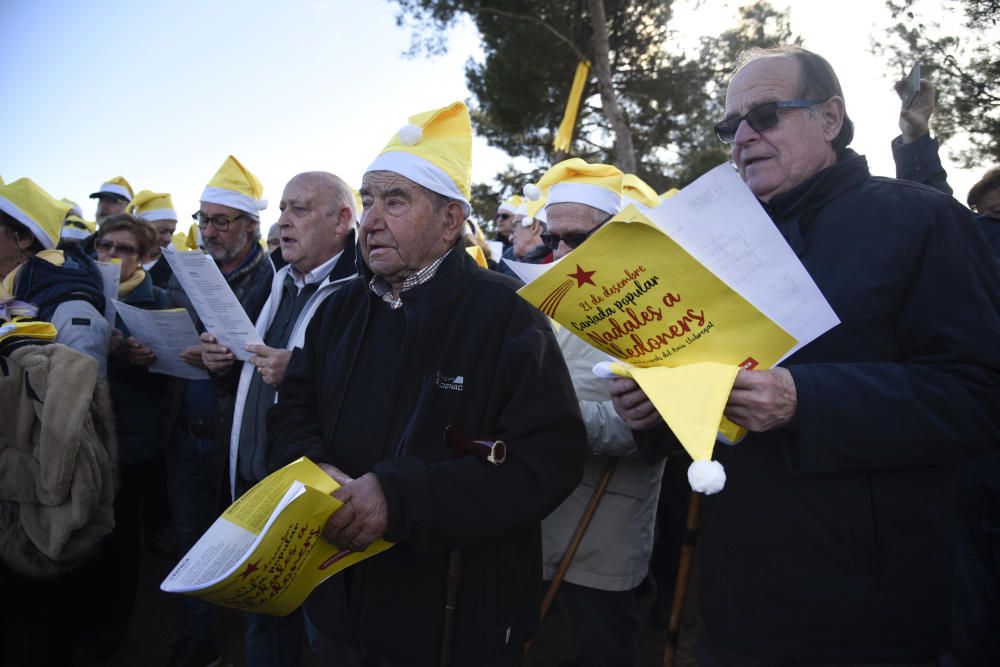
(551, 241)
(726, 130)
(763, 118)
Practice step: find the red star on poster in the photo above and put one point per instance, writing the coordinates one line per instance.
(251, 568)
(582, 277)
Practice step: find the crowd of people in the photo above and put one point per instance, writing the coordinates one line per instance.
(860, 524)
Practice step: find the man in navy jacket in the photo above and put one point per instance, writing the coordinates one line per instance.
(832, 539)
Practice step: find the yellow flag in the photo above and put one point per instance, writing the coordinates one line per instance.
(565, 133)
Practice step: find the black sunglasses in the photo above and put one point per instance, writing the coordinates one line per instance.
(572, 239)
(761, 118)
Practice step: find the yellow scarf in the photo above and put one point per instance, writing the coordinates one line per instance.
(127, 286)
(51, 256)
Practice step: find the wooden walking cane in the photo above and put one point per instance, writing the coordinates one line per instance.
(578, 534)
(493, 452)
(577, 538)
(683, 575)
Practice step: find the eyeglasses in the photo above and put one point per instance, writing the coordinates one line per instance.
(761, 118)
(220, 222)
(118, 248)
(571, 239)
(503, 216)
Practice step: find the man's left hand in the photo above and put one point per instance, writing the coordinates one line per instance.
(270, 362)
(364, 516)
(762, 400)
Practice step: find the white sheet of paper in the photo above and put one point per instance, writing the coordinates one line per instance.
(222, 548)
(167, 333)
(719, 221)
(219, 309)
(529, 272)
(111, 273)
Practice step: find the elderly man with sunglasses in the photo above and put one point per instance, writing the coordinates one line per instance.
(197, 414)
(831, 543)
(598, 591)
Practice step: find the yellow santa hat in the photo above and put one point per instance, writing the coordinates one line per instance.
(434, 150)
(510, 204)
(179, 241)
(193, 239)
(152, 206)
(234, 186)
(636, 191)
(578, 182)
(75, 227)
(26, 330)
(116, 187)
(25, 201)
(74, 208)
(532, 206)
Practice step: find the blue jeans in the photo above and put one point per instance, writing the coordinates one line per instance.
(193, 494)
(273, 641)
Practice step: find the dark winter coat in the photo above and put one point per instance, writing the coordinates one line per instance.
(136, 393)
(832, 540)
(475, 356)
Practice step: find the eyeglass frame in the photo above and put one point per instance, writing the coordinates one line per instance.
(114, 247)
(211, 219)
(765, 125)
(573, 240)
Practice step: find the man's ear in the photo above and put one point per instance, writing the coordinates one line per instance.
(345, 218)
(453, 215)
(832, 113)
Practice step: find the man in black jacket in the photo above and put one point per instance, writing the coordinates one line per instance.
(832, 540)
(420, 341)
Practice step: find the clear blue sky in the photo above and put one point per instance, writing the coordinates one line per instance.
(161, 92)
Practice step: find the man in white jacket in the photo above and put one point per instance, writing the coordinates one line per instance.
(613, 558)
(316, 230)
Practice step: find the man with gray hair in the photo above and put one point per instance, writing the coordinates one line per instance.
(832, 541)
(316, 231)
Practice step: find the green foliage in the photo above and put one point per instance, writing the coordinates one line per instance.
(964, 67)
(531, 49)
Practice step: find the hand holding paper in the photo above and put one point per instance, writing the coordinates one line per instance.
(762, 400)
(363, 518)
(214, 356)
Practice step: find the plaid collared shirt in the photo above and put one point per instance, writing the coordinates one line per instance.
(381, 287)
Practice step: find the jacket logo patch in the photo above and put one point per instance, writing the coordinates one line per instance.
(443, 381)
(81, 321)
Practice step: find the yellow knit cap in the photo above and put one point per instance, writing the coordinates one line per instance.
(434, 150)
(25, 201)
